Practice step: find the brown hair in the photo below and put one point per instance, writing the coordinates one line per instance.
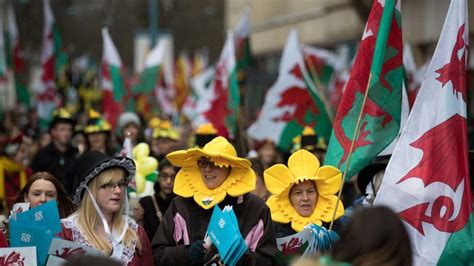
(65, 205)
(374, 236)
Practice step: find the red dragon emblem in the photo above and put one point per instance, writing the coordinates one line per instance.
(13, 259)
(292, 246)
(219, 110)
(300, 99)
(455, 70)
(357, 83)
(444, 160)
(68, 252)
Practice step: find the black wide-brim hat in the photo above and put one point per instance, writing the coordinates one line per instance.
(203, 139)
(92, 163)
(368, 172)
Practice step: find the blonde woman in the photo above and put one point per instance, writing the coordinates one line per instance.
(102, 220)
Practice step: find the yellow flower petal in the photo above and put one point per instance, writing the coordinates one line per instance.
(277, 178)
(177, 157)
(247, 181)
(275, 210)
(181, 184)
(329, 181)
(325, 208)
(303, 164)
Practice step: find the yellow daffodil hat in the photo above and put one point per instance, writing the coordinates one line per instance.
(189, 183)
(302, 166)
(96, 123)
(165, 130)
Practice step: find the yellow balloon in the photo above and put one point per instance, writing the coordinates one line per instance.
(147, 165)
(140, 151)
(140, 182)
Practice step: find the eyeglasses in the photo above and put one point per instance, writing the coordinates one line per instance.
(112, 185)
(204, 162)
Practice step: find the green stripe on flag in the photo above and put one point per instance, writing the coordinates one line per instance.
(148, 80)
(381, 43)
(459, 249)
(61, 58)
(233, 103)
(117, 83)
(380, 112)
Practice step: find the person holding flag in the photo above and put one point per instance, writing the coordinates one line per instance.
(303, 194)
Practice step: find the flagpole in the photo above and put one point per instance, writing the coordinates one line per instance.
(356, 132)
(321, 88)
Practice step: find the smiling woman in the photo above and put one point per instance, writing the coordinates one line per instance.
(213, 175)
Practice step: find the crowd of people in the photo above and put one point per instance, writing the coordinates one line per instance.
(81, 165)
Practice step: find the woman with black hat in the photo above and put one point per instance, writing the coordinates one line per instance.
(99, 222)
(211, 176)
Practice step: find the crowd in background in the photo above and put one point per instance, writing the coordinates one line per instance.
(41, 165)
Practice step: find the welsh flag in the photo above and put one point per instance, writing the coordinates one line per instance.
(291, 103)
(53, 60)
(13, 58)
(200, 97)
(377, 74)
(224, 103)
(242, 44)
(111, 79)
(427, 178)
(152, 80)
(320, 64)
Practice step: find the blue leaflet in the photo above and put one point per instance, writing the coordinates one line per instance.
(46, 215)
(223, 229)
(26, 235)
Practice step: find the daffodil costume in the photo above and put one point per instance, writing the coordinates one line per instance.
(302, 166)
(189, 183)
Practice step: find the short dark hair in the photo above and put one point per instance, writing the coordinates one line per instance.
(374, 236)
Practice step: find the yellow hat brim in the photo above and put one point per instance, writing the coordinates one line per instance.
(182, 157)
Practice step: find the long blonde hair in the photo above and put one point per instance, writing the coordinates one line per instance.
(89, 218)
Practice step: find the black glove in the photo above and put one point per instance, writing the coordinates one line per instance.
(196, 252)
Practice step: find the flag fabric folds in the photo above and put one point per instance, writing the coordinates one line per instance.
(291, 103)
(112, 82)
(427, 179)
(374, 114)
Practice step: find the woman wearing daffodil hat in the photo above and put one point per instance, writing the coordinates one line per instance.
(302, 193)
(210, 176)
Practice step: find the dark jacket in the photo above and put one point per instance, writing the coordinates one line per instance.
(170, 243)
(150, 218)
(59, 164)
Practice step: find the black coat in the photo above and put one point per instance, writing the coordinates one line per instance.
(59, 164)
(252, 215)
